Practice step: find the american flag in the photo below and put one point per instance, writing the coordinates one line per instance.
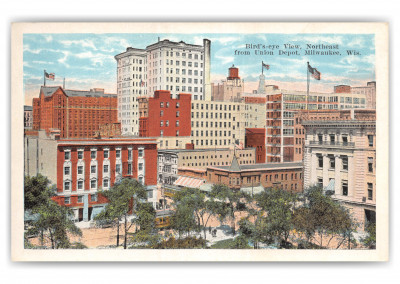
(141, 83)
(314, 73)
(239, 146)
(265, 66)
(50, 76)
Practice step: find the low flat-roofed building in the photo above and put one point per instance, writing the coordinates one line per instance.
(288, 176)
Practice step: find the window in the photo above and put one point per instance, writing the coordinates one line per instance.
(93, 197)
(320, 182)
(162, 104)
(105, 183)
(345, 189)
(345, 163)
(67, 200)
(93, 169)
(67, 155)
(105, 168)
(129, 154)
(370, 191)
(93, 154)
(141, 153)
(140, 166)
(344, 139)
(80, 155)
(93, 184)
(320, 161)
(118, 154)
(67, 185)
(332, 138)
(80, 199)
(177, 114)
(332, 161)
(118, 168)
(177, 123)
(320, 138)
(105, 154)
(370, 164)
(161, 113)
(66, 170)
(140, 179)
(80, 184)
(370, 140)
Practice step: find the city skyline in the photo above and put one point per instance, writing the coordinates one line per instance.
(87, 60)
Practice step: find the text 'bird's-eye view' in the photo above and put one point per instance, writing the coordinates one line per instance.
(199, 141)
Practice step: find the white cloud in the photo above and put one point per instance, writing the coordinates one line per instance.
(82, 43)
(225, 59)
(357, 42)
(64, 59)
(48, 38)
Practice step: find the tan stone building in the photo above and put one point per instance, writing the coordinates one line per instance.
(340, 155)
(223, 124)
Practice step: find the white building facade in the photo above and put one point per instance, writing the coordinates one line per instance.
(174, 66)
(340, 156)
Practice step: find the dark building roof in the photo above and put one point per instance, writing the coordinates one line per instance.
(49, 91)
(255, 167)
(28, 108)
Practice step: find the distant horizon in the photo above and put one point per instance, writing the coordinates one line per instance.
(87, 60)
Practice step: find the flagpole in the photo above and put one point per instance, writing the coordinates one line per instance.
(64, 83)
(44, 78)
(262, 67)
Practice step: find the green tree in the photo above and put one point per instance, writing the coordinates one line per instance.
(196, 202)
(370, 240)
(123, 199)
(49, 220)
(277, 205)
(146, 234)
(54, 222)
(37, 191)
(183, 220)
(226, 203)
(322, 218)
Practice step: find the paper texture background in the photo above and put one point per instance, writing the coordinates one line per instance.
(380, 30)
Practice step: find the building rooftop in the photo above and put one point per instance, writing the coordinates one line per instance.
(50, 90)
(28, 108)
(268, 166)
(198, 150)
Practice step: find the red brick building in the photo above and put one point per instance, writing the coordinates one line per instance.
(162, 115)
(77, 114)
(81, 167)
(288, 176)
(342, 89)
(255, 138)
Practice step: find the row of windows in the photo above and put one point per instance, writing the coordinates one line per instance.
(93, 198)
(106, 153)
(217, 106)
(167, 123)
(183, 54)
(211, 133)
(162, 113)
(224, 116)
(80, 184)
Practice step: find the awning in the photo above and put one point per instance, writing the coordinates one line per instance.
(252, 190)
(188, 182)
(330, 186)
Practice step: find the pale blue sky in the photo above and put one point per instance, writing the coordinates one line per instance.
(87, 60)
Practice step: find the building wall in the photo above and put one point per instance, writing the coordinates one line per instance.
(28, 117)
(287, 177)
(75, 116)
(282, 106)
(255, 138)
(356, 153)
(131, 84)
(166, 116)
(370, 94)
(222, 124)
(61, 161)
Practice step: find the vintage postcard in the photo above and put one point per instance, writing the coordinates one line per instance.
(200, 142)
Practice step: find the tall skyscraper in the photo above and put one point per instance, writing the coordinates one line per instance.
(174, 66)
